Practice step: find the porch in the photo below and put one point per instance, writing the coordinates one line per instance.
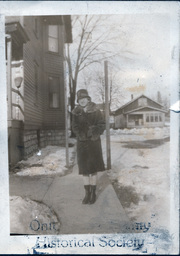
(145, 119)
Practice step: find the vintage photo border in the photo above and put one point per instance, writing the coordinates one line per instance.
(153, 243)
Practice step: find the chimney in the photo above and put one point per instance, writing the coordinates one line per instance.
(132, 97)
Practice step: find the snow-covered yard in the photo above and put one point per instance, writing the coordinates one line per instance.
(28, 217)
(140, 173)
(50, 160)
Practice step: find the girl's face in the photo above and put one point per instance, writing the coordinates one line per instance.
(83, 102)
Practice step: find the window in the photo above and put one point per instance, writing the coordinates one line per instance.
(156, 117)
(147, 118)
(153, 117)
(142, 102)
(54, 92)
(53, 36)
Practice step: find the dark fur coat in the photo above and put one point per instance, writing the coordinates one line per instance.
(88, 126)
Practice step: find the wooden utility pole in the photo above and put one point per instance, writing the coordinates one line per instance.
(108, 147)
(66, 120)
(66, 129)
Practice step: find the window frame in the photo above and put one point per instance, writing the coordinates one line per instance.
(152, 116)
(47, 36)
(59, 95)
(147, 118)
(156, 116)
(160, 117)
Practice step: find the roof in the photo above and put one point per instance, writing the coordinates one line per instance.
(141, 108)
(17, 32)
(142, 95)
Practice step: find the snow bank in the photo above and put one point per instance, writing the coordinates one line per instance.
(146, 171)
(50, 160)
(28, 217)
(164, 131)
(142, 172)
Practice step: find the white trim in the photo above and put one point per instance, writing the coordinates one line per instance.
(157, 109)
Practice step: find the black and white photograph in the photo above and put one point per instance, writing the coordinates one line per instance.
(91, 130)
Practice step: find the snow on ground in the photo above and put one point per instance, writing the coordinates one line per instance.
(29, 217)
(140, 171)
(50, 160)
(156, 132)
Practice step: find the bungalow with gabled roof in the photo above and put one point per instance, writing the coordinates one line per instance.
(140, 112)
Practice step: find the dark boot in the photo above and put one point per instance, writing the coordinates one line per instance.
(92, 195)
(87, 195)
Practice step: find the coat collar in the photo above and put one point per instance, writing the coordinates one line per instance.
(91, 107)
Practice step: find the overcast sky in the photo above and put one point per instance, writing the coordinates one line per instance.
(144, 66)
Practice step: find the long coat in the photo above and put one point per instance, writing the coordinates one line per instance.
(88, 126)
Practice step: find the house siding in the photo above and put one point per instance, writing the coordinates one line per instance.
(120, 121)
(32, 56)
(53, 66)
(42, 125)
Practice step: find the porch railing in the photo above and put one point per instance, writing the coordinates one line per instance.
(15, 86)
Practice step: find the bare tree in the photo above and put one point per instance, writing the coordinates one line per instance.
(166, 103)
(115, 89)
(89, 46)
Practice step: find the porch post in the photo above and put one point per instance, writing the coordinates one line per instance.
(144, 118)
(127, 121)
(9, 75)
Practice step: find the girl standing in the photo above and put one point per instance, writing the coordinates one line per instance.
(88, 124)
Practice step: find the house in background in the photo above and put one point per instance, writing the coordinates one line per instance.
(140, 112)
(35, 48)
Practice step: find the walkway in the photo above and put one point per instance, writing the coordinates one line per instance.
(64, 195)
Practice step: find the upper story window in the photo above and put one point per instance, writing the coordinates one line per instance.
(53, 36)
(142, 102)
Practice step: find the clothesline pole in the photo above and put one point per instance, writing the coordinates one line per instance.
(108, 147)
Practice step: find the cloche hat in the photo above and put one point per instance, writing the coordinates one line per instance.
(82, 93)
